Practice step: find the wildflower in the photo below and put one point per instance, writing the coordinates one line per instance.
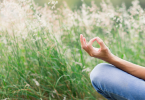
(36, 82)
(87, 70)
(5, 41)
(64, 98)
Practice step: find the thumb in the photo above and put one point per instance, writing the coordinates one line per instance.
(101, 43)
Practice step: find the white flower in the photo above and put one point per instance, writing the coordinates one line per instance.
(64, 98)
(87, 70)
(5, 41)
(36, 82)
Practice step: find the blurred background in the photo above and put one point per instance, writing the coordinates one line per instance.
(40, 52)
(75, 4)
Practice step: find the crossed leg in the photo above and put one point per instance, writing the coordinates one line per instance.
(115, 84)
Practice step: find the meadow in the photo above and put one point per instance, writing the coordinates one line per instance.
(40, 52)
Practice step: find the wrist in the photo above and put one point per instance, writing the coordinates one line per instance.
(111, 58)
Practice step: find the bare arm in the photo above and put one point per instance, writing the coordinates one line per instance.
(104, 53)
(129, 67)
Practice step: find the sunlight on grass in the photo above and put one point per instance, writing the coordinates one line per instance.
(40, 51)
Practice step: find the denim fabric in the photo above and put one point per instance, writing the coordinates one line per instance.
(115, 84)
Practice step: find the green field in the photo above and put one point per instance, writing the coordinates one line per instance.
(40, 51)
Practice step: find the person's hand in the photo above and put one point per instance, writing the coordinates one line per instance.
(102, 53)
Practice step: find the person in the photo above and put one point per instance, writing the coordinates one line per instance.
(118, 79)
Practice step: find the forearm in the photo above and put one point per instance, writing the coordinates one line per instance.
(104, 53)
(128, 67)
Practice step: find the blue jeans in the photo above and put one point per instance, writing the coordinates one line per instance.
(115, 84)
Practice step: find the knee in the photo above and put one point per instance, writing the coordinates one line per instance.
(100, 72)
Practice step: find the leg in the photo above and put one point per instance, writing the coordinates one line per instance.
(115, 84)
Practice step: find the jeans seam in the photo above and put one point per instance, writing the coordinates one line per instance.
(117, 95)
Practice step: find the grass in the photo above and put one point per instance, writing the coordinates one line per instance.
(45, 60)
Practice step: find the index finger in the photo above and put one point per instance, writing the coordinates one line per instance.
(91, 41)
(82, 41)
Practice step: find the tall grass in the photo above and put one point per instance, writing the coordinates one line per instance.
(40, 51)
